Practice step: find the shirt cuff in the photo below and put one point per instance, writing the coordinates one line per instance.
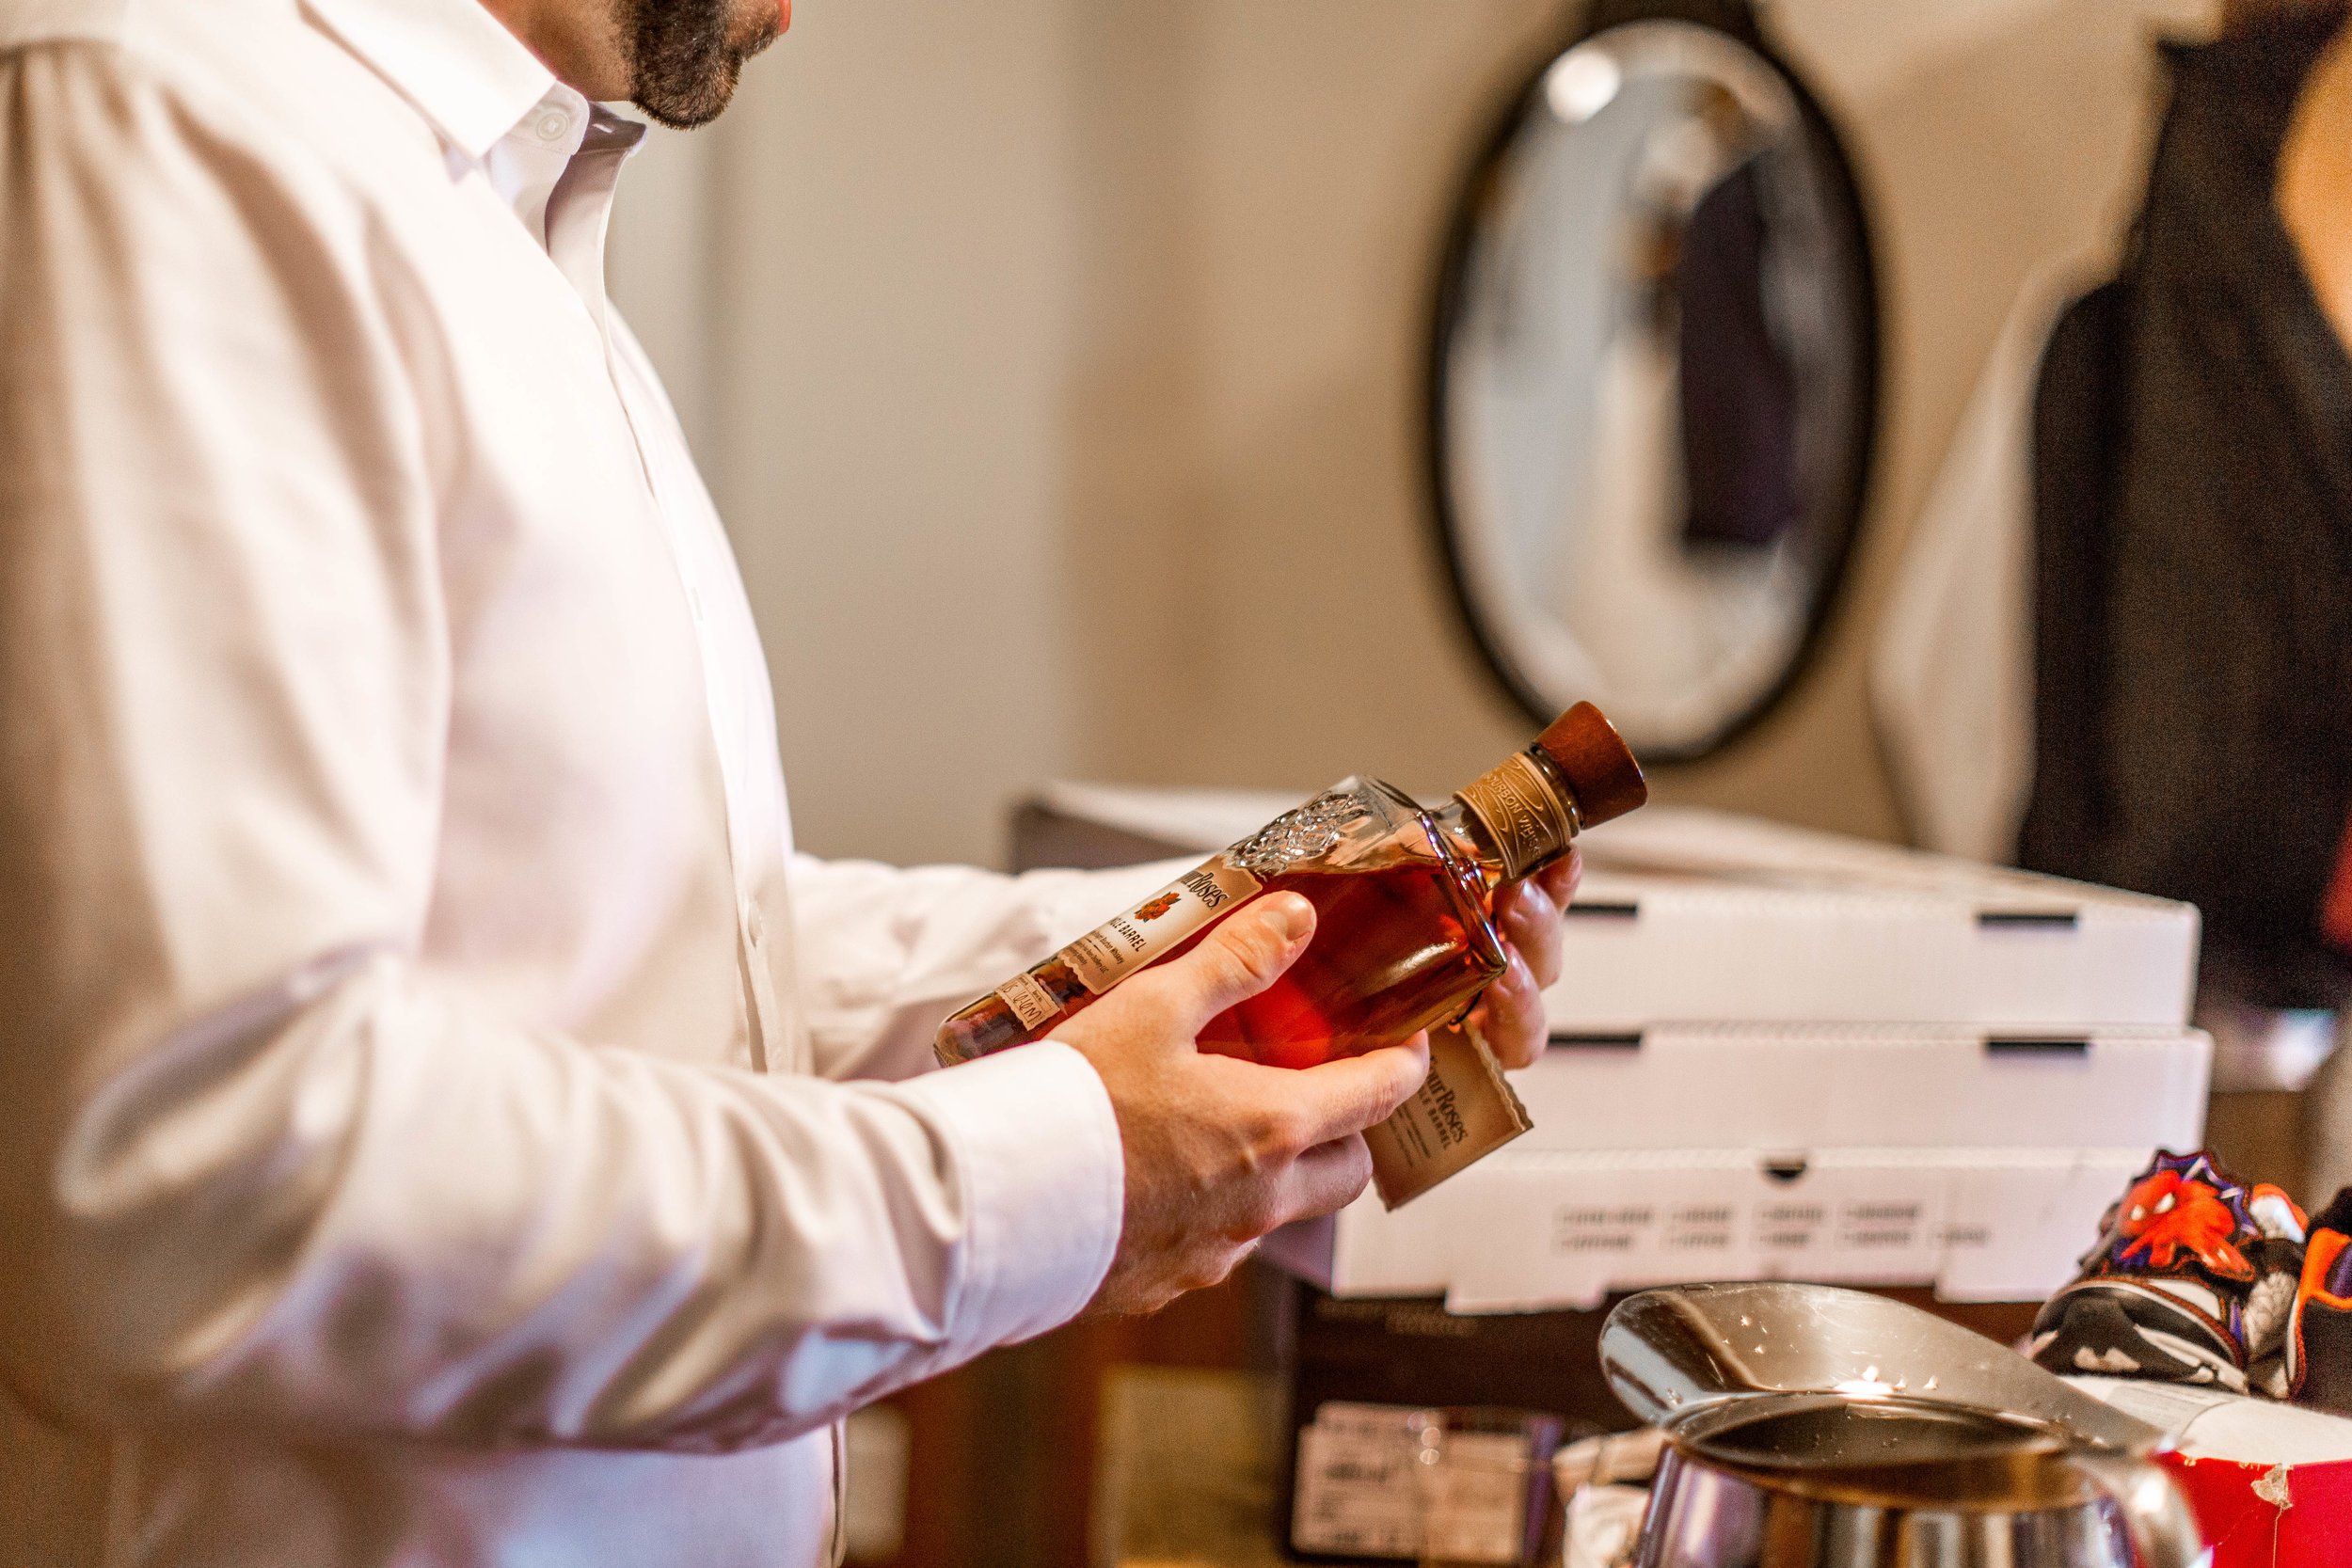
(1044, 1179)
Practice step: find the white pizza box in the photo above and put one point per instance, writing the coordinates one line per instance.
(1912, 1086)
(1535, 1230)
(1687, 915)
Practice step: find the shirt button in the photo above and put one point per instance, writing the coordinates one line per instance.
(552, 125)
(753, 926)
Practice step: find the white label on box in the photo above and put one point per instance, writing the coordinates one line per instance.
(1368, 1487)
(1356, 1490)
(1474, 1498)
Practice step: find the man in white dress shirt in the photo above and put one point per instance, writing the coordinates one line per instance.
(429, 1135)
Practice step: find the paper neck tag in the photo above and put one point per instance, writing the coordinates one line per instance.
(1462, 1112)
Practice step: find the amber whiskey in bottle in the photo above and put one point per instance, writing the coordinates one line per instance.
(1404, 896)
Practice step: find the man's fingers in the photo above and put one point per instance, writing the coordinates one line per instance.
(1356, 1092)
(1511, 1017)
(1327, 1177)
(1239, 958)
(1530, 920)
(1560, 878)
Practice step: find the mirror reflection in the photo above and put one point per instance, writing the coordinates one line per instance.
(1654, 372)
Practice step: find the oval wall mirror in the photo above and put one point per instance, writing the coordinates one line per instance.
(1654, 378)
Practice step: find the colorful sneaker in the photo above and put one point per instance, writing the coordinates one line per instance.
(2193, 1280)
(2319, 1333)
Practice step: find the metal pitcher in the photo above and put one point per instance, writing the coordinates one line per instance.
(1817, 1428)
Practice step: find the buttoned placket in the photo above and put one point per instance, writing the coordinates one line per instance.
(593, 143)
(575, 216)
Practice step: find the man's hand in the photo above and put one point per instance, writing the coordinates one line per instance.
(1510, 1015)
(1219, 1150)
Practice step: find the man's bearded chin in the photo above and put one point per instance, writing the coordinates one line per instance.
(685, 55)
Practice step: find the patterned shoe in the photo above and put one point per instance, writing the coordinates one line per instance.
(2193, 1281)
(2319, 1335)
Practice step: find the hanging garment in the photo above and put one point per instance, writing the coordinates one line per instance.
(2189, 496)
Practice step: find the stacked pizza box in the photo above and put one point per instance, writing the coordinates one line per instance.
(1785, 1054)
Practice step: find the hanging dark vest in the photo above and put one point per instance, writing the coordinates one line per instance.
(2193, 529)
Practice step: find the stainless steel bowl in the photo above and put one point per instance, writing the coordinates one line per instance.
(1802, 1482)
(1817, 1428)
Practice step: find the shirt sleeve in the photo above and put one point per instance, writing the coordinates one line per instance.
(886, 953)
(256, 1166)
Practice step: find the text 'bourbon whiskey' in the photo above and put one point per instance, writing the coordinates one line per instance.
(1404, 936)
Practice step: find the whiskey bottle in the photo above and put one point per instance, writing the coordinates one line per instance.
(1404, 936)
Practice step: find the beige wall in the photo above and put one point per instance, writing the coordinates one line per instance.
(1056, 363)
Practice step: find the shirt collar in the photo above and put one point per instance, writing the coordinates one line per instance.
(452, 58)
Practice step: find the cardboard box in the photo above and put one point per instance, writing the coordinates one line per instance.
(1530, 1229)
(1801, 1086)
(1853, 1155)
(1694, 915)
(1688, 914)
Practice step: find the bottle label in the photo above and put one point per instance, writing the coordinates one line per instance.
(1030, 1002)
(1125, 942)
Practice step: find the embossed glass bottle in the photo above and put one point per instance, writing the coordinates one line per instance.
(1403, 898)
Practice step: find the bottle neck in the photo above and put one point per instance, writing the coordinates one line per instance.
(1515, 818)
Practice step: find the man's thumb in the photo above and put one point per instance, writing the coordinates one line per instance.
(1245, 954)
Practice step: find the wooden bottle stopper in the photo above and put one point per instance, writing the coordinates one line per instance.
(1596, 761)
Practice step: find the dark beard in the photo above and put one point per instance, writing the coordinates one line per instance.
(683, 64)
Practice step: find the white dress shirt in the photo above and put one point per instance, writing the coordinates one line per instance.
(419, 1143)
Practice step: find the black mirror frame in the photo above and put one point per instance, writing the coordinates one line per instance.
(1848, 211)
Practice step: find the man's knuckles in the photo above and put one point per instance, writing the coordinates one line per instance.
(1345, 1175)
(1247, 957)
(1281, 1133)
(1373, 1087)
(1211, 1266)
(1258, 1210)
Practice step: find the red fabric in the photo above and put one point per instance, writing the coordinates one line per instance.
(2313, 1530)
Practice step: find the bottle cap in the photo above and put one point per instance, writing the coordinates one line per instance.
(1595, 760)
